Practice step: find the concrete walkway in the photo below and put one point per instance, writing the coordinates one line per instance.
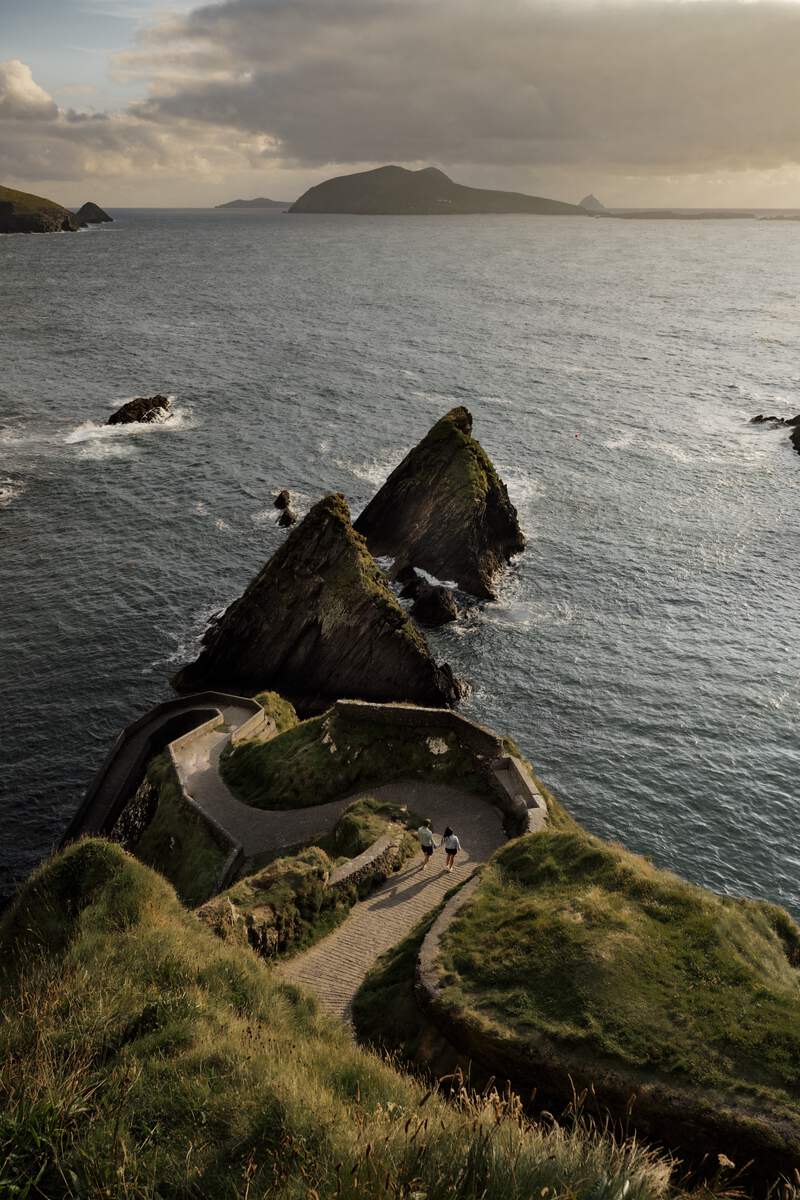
(335, 967)
(257, 830)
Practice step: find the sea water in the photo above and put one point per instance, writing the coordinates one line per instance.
(643, 650)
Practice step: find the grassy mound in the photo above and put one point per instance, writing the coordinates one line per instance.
(582, 950)
(286, 905)
(279, 708)
(177, 842)
(328, 757)
(142, 1058)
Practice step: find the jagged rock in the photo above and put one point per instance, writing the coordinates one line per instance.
(794, 436)
(287, 518)
(143, 408)
(434, 605)
(283, 498)
(92, 214)
(762, 420)
(446, 510)
(319, 623)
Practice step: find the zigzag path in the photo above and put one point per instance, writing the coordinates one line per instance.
(335, 967)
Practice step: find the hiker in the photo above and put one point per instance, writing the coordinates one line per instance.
(451, 847)
(427, 842)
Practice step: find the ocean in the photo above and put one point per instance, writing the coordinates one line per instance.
(643, 650)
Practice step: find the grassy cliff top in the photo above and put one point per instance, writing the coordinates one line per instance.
(141, 1057)
(595, 951)
(26, 202)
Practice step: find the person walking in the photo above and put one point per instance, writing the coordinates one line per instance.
(451, 847)
(427, 843)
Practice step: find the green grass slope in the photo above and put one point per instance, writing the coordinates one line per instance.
(142, 1058)
(329, 756)
(27, 202)
(589, 956)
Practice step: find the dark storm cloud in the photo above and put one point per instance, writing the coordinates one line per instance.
(657, 86)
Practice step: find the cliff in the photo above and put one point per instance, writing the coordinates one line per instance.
(446, 510)
(319, 622)
(396, 191)
(22, 212)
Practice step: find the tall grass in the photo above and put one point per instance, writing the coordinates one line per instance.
(144, 1059)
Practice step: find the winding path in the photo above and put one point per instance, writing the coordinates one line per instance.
(335, 967)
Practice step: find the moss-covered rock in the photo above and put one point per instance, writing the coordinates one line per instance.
(446, 510)
(318, 623)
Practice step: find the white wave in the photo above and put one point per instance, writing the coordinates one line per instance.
(433, 581)
(10, 490)
(222, 525)
(187, 639)
(523, 488)
(373, 470)
(620, 443)
(201, 508)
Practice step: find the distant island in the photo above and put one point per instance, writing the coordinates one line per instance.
(396, 191)
(259, 202)
(592, 204)
(22, 212)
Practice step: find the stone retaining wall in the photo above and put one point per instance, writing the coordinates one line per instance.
(217, 832)
(120, 775)
(515, 790)
(379, 859)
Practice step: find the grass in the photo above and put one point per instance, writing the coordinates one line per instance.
(26, 202)
(279, 708)
(328, 757)
(385, 1011)
(177, 842)
(583, 944)
(143, 1058)
(285, 906)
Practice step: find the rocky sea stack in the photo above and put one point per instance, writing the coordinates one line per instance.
(143, 409)
(319, 623)
(445, 509)
(92, 214)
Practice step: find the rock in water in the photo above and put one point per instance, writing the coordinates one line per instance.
(287, 518)
(92, 214)
(143, 408)
(320, 623)
(446, 510)
(283, 498)
(434, 605)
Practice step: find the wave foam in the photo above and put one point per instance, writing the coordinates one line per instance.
(90, 435)
(10, 490)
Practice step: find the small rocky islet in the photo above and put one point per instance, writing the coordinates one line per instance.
(142, 410)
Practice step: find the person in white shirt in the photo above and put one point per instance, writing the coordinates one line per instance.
(451, 847)
(427, 843)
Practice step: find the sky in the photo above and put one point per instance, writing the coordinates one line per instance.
(170, 103)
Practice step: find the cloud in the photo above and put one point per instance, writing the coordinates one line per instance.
(659, 87)
(21, 98)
